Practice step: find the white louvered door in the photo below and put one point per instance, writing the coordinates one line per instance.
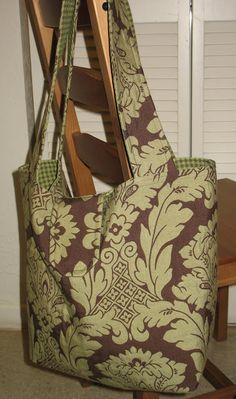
(214, 90)
(214, 83)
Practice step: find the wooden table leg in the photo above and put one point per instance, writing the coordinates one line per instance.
(146, 395)
(220, 332)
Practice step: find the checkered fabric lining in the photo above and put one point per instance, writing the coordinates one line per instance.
(189, 163)
(48, 169)
(47, 173)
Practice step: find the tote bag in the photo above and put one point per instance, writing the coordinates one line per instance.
(121, 285)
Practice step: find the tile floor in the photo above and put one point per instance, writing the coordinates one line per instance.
(19, 380)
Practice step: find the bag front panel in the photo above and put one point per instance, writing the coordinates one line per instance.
(139, 317)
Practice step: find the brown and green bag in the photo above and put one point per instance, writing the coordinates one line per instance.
(122, 285)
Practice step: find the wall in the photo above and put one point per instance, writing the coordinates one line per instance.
(14, 144)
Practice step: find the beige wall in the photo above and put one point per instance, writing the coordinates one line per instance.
(13, 147)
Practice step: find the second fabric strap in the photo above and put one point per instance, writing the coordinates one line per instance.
(147, 147)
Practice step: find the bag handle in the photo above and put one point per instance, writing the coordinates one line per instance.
(147, 147)
(66, 42)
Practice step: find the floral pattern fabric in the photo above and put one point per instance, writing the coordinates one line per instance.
(122, 285)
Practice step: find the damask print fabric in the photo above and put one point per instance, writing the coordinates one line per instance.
(122, 285)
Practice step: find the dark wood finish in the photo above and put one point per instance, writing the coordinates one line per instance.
(221, 319)
(224, 393)
(81, 175)
(101, 157)
(227, 221)
(146, 395)
(51, 11)
(85, 384)
(227, 252)
(215, 376)
(99, 23)
(87, 87)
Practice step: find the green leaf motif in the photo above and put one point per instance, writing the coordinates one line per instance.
(201, 184)
(129, 104)
(152, 314)
(91, 239)
(63, 230)
(200, 253)
(139, 195)
(121, 10)
(196, 329)
(142, 370)
(99, 324)
(194, 291)
(76, 348)
(151, 156)
(199, 286)
(154, 126)
(200, 362)
(86, 289)
(178, 318)
(165, 223)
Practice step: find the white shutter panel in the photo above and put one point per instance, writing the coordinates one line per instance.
(214, 83)
(158, 47)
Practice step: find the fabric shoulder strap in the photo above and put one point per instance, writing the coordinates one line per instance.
(147, 147)
(65, 44)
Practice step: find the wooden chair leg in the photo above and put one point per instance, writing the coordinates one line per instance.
(215, 376)
(225, 389)
(146, 395)
(224, 393)
(220, 332)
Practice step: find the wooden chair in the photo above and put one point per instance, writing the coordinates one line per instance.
(227, 252)
(44, 17)
(95, 89)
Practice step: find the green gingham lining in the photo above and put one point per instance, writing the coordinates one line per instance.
(189, 163)
(47, 173)
(48, 169)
